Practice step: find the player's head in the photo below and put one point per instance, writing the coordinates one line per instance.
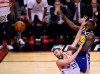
(90, 25)
(38, 1)
(58, 53)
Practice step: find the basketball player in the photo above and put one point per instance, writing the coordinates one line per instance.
(65, 61)
(5, 22)
(86, 36)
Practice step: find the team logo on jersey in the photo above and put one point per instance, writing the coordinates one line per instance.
(82, 39)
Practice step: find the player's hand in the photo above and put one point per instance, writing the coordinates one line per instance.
(83, 20)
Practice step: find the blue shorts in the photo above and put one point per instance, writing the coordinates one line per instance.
(83, 60)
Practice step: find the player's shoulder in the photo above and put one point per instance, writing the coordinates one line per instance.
(91, 36)
(59, 62)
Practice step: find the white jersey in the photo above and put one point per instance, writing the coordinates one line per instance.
(73, 68)
(37, 9)
(4, 7)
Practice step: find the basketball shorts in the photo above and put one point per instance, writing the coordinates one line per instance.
(83, 60)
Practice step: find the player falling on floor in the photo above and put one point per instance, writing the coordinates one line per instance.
(86, 36)
(66, 61)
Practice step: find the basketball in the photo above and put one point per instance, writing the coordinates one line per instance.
(19, 26)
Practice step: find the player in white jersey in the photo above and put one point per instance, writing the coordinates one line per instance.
(72, 68)
(65, 62)
(86, 36)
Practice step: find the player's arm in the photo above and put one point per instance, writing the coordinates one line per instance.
(89, 42)
(64, 62)
(78, 35)
(76, 40)
(70, 23)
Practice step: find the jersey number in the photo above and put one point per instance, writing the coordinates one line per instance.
(74, 65)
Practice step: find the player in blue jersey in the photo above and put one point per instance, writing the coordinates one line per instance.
(66, 60)
(86, 36)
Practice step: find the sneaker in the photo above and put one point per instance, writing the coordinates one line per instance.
(10, 47)
(1, 46)
(20, 41)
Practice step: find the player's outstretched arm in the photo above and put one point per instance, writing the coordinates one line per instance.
(70, 23)
(78, 35)
(64, 62)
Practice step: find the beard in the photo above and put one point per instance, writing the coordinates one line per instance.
(60, 56)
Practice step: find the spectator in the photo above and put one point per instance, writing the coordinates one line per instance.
(77, 10)
(5, 22)
(87, 2)
(59, 27)
(93, 12)
(37, 10)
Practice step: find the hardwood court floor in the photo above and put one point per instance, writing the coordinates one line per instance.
(39, 63)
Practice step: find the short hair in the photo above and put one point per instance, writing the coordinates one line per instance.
(56, 49)
(93, 23)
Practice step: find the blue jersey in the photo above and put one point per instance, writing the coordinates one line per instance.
(83, 58)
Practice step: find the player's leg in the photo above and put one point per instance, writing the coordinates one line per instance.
(88, 63)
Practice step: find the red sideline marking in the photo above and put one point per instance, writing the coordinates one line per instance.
(3, 53)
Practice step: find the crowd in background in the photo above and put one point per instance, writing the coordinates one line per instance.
(90, 8)
(41, 18)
